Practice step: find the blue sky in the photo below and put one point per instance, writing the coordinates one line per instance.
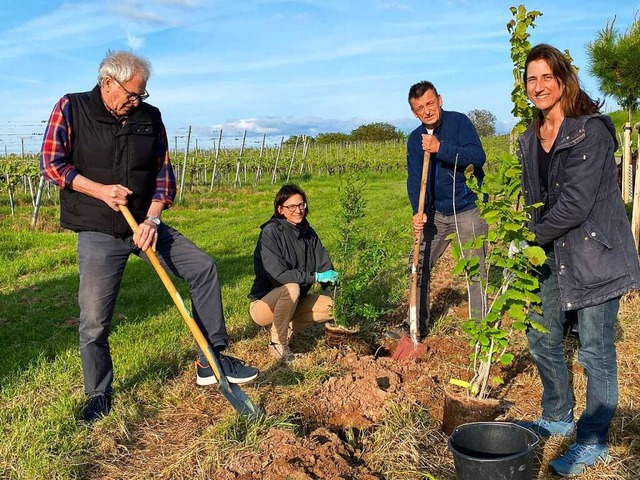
(280, 67)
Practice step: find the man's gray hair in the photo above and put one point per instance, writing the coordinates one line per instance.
(122, 66)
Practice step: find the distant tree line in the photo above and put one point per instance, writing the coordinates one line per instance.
(483, 120)
(371, 132)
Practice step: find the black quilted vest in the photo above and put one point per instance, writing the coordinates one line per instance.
(106, 151)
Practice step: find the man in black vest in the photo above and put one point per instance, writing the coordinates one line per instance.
(105, 148)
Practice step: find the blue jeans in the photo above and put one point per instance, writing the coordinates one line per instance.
(597, 355)
(102, 259)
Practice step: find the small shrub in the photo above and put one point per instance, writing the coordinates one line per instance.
(362, 291)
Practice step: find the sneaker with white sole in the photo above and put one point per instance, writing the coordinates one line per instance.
(234, 369)
(578, 458)
(204, 375)
(547, 428)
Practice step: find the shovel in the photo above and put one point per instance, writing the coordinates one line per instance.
(409, 347)
(232, 392)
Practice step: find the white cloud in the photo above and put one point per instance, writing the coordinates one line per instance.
(131, 10)
(274, 125)
(134, 42)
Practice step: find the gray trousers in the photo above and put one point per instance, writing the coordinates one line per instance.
(102, 259)
(434, 243)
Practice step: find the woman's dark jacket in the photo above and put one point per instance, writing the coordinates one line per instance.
(287, 253)
(595, 253)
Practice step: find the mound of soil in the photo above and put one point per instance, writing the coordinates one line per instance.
(358, 398)
(321, 455)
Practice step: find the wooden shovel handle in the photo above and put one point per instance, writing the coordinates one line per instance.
(175, 296)
(413, 293)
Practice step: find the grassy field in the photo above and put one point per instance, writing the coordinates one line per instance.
(40, 373)
(162, 426)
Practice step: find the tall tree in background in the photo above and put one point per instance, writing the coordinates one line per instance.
(615, 61)
(484, 121)
(376, 132)
(333, 137)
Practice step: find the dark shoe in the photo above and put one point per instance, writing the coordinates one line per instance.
(402, 330)
(547, 428)
(204, 375)
(97, 407)
(578, 458)
(234, 369)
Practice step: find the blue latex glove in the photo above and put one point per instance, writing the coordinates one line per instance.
(330, 276)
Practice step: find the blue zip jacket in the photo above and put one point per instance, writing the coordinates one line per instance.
(458, 137)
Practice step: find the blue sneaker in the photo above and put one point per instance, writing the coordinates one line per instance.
(578, 458)
(546, 428)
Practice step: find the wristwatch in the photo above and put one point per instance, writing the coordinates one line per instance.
(155, 220)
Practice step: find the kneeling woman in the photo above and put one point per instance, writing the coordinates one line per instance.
(288, 260)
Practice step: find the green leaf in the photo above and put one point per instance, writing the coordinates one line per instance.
(468, 172)
(490, 216)
(538, 327)
(456, 251)
(515, 312)
(506, 359)
(513, 227)
(459, 267)
(460, 383)
(535, 255)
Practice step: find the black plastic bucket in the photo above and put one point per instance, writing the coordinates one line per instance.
(492, 451)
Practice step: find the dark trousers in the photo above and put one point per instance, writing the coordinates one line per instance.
(467, 225)
(102, 259)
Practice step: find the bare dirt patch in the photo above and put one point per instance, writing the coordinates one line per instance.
(320, 455)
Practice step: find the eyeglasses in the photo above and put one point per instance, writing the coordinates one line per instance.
(141, 97)
(292, 208)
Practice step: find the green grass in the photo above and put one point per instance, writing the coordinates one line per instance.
(620, 117)
(41, 394)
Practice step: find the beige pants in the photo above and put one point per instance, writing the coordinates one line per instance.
(284, 310)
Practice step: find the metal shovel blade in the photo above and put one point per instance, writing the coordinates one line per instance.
(234, 394)
(407, 349)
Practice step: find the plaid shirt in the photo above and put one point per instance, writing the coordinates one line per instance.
(56, 148)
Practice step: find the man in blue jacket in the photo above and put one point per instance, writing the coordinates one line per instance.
(450, 206)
